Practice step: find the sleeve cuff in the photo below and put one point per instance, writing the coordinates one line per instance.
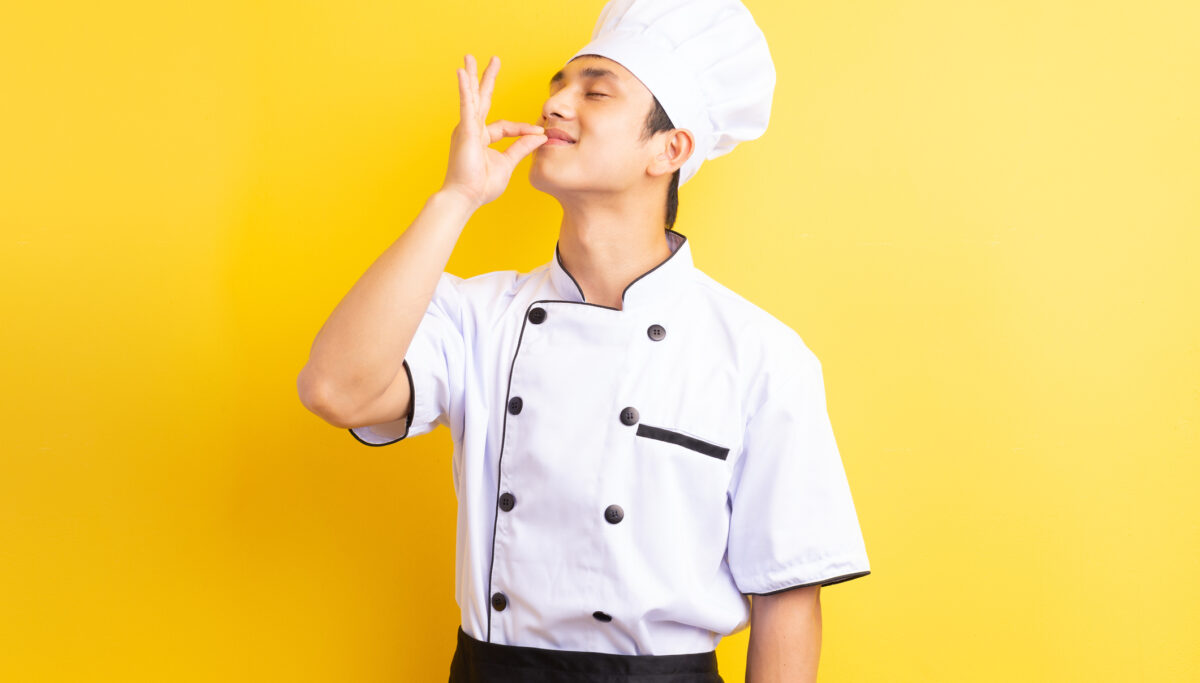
(829, 581)
(823, 573)
(384, 434)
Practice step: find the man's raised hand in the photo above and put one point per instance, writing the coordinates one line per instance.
(476, 171)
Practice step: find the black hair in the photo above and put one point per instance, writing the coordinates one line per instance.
(656, 122)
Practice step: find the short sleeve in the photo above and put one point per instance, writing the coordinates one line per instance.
(434, 366)
(793, 521)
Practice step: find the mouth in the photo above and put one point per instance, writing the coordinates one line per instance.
(557, 136)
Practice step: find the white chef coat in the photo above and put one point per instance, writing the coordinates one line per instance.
(625, 477)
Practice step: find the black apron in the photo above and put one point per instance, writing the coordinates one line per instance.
(478, 661)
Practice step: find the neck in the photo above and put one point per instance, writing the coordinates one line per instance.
(606, 247)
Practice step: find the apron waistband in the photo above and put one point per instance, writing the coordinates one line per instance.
(477, 661)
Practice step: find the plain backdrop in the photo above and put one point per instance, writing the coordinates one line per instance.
(982, 217)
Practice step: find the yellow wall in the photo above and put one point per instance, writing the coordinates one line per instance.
(982, 217)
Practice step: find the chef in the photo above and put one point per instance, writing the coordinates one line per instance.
(630, 462)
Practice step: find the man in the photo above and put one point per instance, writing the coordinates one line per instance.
(637, 448)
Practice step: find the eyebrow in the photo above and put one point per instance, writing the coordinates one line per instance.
(587, 72)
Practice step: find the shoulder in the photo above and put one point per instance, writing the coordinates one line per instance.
(484, 286)
(762, 332)
(488, 296)
(775, 363)
(483, 282)
(497, 283)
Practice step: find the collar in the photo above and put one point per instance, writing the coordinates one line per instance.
(658, 285)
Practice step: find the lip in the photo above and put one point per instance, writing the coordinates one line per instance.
(558, 134)
(555, 142)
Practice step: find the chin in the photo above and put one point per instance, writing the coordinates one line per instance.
(558, 184)
(545, 181)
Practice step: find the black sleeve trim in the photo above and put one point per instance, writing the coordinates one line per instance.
(412, 401)
(823, 582)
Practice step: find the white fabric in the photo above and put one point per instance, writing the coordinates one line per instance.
(706, 61)
(699, 532)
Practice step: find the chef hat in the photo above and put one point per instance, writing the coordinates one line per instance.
(705, 60)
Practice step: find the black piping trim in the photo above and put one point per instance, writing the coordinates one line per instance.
(558, 256)
(408, 418)
(500, 463)
(823, 582)
(689, 442)
(503, 437)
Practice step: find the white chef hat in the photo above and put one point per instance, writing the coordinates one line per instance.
(705, 60)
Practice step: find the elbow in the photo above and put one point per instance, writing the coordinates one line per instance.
(319, 398)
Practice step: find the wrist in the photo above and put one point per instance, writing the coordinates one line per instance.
(451, 197)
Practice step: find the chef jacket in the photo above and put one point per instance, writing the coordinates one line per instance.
(626, 476)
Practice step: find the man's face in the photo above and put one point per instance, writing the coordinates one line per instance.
(603, 108)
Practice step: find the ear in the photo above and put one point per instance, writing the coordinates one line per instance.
(678, 145)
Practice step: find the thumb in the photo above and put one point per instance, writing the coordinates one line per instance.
(523, 146)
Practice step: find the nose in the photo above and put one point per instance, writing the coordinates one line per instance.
(556, 106)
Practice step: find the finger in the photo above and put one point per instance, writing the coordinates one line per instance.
(504, 129)
(473, 73)
(522, 147)
(472, 90)
(466, 109)
(485, 90)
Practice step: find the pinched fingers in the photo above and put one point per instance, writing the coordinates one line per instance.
(498, 130)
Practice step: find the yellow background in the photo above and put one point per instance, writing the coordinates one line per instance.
(982, 217)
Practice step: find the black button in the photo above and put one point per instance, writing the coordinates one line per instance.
(507, 501)
(499, 601)
(601, 616)
(656, 332)
(537, 315)
(629, 416)
(614, 514)
(514, 404)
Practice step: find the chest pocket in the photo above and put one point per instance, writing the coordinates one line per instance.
(683, 473)
(684, 440)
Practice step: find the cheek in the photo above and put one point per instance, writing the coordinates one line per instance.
(612, 144)
(601, 154)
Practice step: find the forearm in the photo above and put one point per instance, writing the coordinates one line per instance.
(360, 347)
(785, 637)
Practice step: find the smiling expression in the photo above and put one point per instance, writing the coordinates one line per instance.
(602, 107)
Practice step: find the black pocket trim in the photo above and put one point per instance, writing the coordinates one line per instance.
(682, 440)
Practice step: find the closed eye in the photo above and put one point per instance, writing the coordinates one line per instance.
(598, 93)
